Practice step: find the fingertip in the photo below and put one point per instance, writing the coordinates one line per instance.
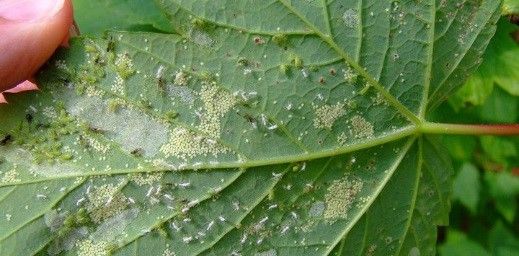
(26, 45)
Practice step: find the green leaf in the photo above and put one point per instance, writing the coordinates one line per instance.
(460, 148)
(459, 245)
(504, 187)
(467, 187)
(510, 7)
(95, 17)
(499, 67)
(239, 134)
(500, 107)
(502, 242)
(499, 149)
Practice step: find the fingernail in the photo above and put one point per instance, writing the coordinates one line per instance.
(29, 10)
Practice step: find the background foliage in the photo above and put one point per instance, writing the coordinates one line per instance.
(484, 217)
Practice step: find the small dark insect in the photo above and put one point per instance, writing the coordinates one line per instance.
(7, 138)
(250, 119)
(95, 130)
(333, 72)
(138, 152)
(161, 85)
(258, 40)
(111, 45)
(28, 117)
(321, 80)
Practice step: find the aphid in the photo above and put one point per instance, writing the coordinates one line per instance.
(280, 40)
(221, 218)
(333, 72)
(258, 40)
(111, 44)
(138, 152)
(243, 62)
(298, 62)
(171, 115)
(321, 80)
(28, 117)
(199, 23)
(95, 130)
(7, 138)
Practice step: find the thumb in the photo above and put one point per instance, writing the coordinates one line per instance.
(30, 32)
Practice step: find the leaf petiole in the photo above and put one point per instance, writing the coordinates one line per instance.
(470, 129)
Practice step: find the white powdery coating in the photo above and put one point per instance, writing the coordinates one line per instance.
(130, 128)
(113, 229)
(89, 248)
(183, 93)
(350, 18)
(340, 197)
(317, 209)
(361, 129)
(201, 38)
(326, 115)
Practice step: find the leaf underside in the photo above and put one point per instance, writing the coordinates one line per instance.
(258, 127)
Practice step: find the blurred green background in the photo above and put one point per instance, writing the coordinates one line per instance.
(485, 200)
(484, 218)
